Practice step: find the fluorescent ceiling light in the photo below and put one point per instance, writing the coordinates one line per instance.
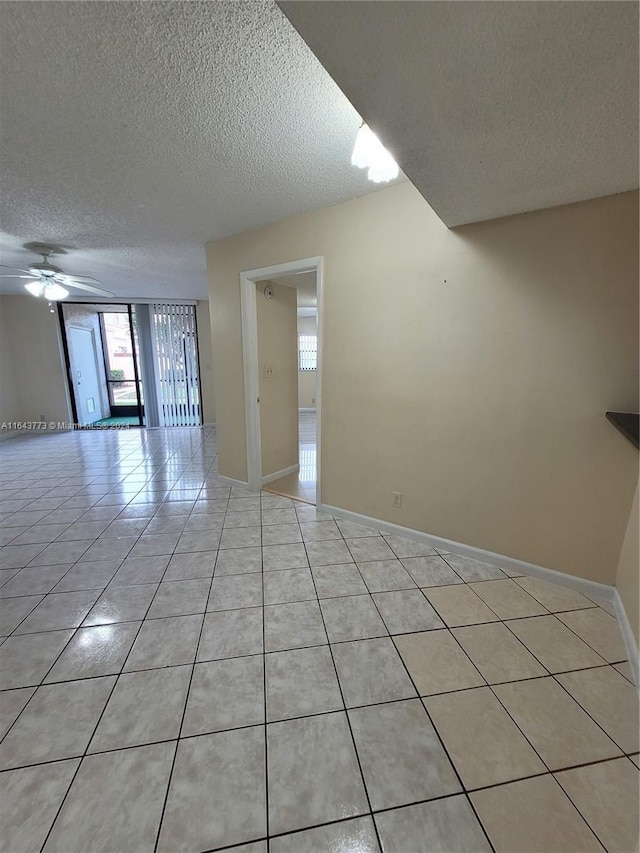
(369, 153)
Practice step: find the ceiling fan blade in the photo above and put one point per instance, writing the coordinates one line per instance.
(15, 269)
(17, 276)
(68, 278)
(98, 291)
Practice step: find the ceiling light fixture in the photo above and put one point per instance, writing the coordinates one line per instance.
(369, 153)
(51, 292)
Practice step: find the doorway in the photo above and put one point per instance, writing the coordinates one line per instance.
(282, 371)
(102, 363)
(85, 376)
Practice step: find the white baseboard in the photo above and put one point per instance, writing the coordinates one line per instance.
(292, 469)
(231, 482)
(628, 637)
(592, 589)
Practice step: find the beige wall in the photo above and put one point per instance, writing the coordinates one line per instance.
(627, 575)
(277, 351)
(32, 345)
(307, 379)
(468, 369)
(205, 358)
(9, 400)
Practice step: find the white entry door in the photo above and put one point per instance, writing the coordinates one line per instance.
(84, 374)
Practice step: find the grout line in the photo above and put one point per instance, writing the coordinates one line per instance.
(345, 711)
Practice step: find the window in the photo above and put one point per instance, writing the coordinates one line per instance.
(307, 352)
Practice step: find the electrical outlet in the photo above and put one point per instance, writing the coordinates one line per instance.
(396, 499)
(268, 372)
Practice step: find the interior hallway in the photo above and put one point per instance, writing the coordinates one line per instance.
(301, 486)
(198, 667)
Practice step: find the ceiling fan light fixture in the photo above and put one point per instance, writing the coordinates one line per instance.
(35, 288)
(369, 153)
(54, 292)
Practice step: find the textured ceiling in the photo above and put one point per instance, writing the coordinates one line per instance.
(135, 132)
(306, 292)
(490, 108)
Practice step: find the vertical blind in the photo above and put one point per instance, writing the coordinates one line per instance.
(307, 352)
(174, 328)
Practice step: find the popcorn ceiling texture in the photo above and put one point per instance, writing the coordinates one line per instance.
(490, 108)
(135, 132)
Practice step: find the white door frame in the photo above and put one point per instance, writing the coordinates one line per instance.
(249, 311)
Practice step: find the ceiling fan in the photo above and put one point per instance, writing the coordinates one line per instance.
(50, 282)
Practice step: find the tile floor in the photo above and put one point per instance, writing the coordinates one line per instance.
(190, 667)
(301, 486)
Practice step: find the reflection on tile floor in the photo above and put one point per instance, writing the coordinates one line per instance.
(189, 666)
(301, 486)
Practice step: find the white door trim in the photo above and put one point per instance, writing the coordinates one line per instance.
(249, 314)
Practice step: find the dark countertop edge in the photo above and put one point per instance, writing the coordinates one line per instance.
(629, 425)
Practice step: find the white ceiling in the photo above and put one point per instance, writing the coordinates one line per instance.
(491, 108)
(306, 292)
(135, 132)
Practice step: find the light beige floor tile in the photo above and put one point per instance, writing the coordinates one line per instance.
(599, 630)
(225, 694)
(316, 752)
(336, 581)
(165, 642)
(406, 610)
(555, 646)
(459, 605)
(11, 704)
(401, 757)
(348, 836)
(29, 802)
(24, 660)
(100, 650)
(507, 599)
(14, 610)
(217, 794)
(484, 743)
(115, 802)
(301, 682)
(497, 653)
(607, 796)
(609, 698)
(57, 723)
(436, 663)
(371, 671)
(144, 707)
(121, 604)
(636, 759)
(233, 592)
(293, 626)
(553, 596)
(473, 570)
(430, 571)
(624, 668)
(385, 575)
(288, 585)
(231, 633)
(353, 617)
(561, 732)
(448, 825)
(533, 816)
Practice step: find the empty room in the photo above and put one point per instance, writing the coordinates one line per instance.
(319, 373)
